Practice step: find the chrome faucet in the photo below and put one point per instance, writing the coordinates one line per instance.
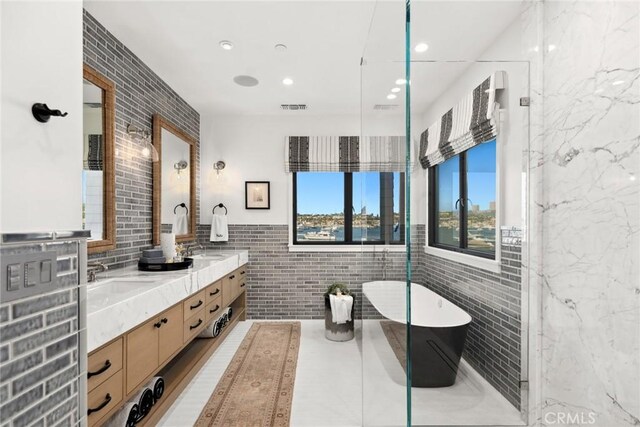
(189, 250)
(93, 268)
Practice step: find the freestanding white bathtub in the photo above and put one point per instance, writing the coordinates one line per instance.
(438, 329)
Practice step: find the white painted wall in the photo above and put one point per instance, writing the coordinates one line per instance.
(514, 133)
(41, 164)
(253, 148)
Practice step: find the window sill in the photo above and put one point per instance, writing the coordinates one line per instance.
(346, 248)
(470, 260)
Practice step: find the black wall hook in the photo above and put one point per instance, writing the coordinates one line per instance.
(42, 113)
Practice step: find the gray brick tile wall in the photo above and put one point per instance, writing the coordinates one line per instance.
(493, 300)
(39, 347)
(139, 94)
(290, 285)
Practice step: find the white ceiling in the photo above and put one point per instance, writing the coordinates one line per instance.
(325, 39)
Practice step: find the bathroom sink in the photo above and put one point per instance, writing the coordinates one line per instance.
(110, 291)
(209, 257)
(118, 285)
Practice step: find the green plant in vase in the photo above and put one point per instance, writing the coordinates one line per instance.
(338, 289)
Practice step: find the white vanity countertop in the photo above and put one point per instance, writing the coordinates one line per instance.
(122, 299)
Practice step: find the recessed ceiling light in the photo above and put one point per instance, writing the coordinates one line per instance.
(551, 47)
(401, 82)
(287, 81)
(391, 96)
(226, 45)
(280, 47)
(395, 90)
(421, 47)
(246, 81)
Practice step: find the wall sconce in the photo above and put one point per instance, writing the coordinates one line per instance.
(218, 166)
(147, 150)
(180, 166)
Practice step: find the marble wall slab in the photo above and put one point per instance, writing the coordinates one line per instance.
(584, 204)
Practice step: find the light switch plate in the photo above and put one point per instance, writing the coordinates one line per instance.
(14, 278)
(22, 274)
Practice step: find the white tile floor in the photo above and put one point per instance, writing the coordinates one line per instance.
(329, 388)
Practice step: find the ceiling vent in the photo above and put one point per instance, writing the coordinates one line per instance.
(385, 107)
(293, 107)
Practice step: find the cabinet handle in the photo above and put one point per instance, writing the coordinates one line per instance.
(107, 399)
(106, 366)
(241, 273)
(232, 277)
(164, 320)
(196, 325)
(242, 286)
(193, 307)
(213, 310)
(157, 325)
(217, 291)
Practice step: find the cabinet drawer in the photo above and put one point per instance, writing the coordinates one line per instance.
(194, 325)
(104, 397)
(103, 363)
(213, 292)
(241, 284)
(193, 304)
(213, 310)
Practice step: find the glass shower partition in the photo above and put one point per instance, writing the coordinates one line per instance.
(381, 210)
(470, 120)
(458, 353)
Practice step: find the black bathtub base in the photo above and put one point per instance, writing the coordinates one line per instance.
(435, 355)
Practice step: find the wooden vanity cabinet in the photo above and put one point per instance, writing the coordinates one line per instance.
(151, 344)
(165, 345)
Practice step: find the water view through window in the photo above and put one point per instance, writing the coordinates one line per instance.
(465, 201)
(481, 197)
(373, 199)
(320, 206)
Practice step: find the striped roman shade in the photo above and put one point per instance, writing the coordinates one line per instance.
(471, 122)
(345, 154)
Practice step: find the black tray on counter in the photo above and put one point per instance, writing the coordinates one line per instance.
(166, 266)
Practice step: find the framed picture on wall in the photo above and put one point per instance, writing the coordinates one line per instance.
(257, 195)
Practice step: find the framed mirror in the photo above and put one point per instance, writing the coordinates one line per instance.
(174, 182)
(98, 176)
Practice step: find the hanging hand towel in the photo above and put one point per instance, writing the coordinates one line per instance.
(219, 228)
(180, 223)
(340, 308)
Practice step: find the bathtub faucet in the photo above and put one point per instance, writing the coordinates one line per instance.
(384, 259)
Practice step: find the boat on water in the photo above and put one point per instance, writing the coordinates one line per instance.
(319, 235)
